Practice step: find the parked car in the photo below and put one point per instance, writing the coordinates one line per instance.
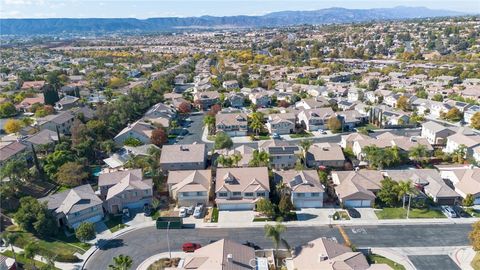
(188, 119)
(190, 210)
(321, 131)
(126, 212)
(448, 211)
(183, 212)
(353, 213)
(190, 247)
(198, 212)
(275, 136)
(460, 212)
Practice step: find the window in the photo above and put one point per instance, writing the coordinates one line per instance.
(237, 193)
(248, 194)
(199, 193)
(146, 192)
(260, 194)
(222, 194)
(300, 195)
(315, 194)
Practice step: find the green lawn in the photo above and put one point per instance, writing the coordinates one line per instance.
(61, 246)
(301, 135)
(476, 261)
(263, 137)
(401, 213)
(377, 259)
(472, 212)
(214, 218)
(114, 223)
(27, 263)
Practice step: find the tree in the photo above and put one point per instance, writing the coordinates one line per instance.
(453, 115)
(460, 154)
(305, 145)
(437, 97)
(9, 239)
(222, 141)
(418, 153)
(215, 109)
(30, 251)
(159, 136)
(468, 200)
(71, 174)
(404, 188)
(132, 141)
(236, 158)
(209, 122)
(274, 232)
(334, 124)
(85, 231)
(7, 109)
(402, 103)
(266, 207)
(12, 126)
(34, 217)
(256, 122)
(259, 159)
(50, 95)
(388, 193)
(475, 121)
(373, 84)
(474, 236)
(55, 160)
(121, 262)
(184, 107)
(285, 205)
(225, 161)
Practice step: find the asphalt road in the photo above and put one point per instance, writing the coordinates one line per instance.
(146, 242)
(437, 262)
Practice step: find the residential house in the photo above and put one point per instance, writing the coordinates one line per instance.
(189, 187)
(11, 150)
(205, 100)
(469, 113)
(465, 181)
(232, 84)
(245, 151)
(348, 140)
(118, 159)
(355, 94)
(357, 188)
(43, 137)
(234, 124)
(74, 206)
(125, 189)
(62, 120)
(282, 154)
(139, 130)
(436, 133)
(430, 182)
(66, 103)
(180, 79)
(222, 255)
(240, 188)
(261, 99)
(282, 123)
(27, 103)
(305, 187)
(351, 119)
(325, 155)
(236, 100)
(315, 119)
(312, 103)
(454, 142)
(183, 157)
(324, 253)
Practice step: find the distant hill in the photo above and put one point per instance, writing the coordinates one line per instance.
(283, 18)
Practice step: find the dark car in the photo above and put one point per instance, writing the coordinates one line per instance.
(147, 210)
(252, 245)
(460, 212)
(353, 213)
(190, 247)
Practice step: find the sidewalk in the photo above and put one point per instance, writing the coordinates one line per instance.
(394, 256)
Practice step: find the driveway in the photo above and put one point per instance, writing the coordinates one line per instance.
(437, 262)
(315, 214)
(137, 217)
(367, 213)
(235, 217)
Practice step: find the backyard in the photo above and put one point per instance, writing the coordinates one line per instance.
(401, 213)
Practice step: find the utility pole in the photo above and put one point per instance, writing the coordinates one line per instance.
(408, 209)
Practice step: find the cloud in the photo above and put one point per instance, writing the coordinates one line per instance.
(24, 2)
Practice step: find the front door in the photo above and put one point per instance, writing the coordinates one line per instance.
(115, 209)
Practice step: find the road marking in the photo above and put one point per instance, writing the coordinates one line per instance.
(344, 235)
(359, 230)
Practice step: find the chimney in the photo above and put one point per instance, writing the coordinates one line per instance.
(322, 257)
(229, 257)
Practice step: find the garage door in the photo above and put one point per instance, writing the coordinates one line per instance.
(357, 203)
(136, 205)
(94, 219)
(308, 204)
(238, 206)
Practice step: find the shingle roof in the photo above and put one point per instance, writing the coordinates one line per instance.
(72, 200)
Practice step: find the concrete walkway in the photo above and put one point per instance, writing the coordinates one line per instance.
(145, 264)
(394, 256)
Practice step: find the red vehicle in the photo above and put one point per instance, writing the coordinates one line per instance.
(190, 247)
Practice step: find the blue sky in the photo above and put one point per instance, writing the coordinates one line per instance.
(186, 8)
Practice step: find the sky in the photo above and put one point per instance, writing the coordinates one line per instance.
(191, 8)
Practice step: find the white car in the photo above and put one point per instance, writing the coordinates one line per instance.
(449, 212)
(198, 212)
(183, 212)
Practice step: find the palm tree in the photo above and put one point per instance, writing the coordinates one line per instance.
(305, 144)
(121, 262)
(9, 238)
(256, 122)
(274, 232)
(404, 188)
(259, 158)
(209, 122)
(418, 153)
(30, 251)
(236, 158)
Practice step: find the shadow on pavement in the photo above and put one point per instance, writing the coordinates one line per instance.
(104, 244)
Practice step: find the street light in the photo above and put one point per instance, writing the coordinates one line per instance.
(168, 241)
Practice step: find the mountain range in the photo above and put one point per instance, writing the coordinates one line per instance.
(282, 18)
